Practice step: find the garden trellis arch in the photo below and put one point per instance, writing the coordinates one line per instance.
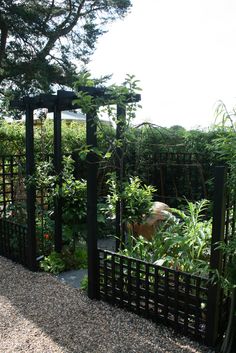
(65, 100)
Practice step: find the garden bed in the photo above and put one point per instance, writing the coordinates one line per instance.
(40, 314)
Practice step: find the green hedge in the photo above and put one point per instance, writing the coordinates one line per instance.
(143, 142)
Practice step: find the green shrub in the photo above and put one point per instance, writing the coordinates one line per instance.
(137, 198)
(181, 242)
(53, 263)
(71, 257)
(75, 257)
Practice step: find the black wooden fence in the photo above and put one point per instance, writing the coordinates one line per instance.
(176, 176)
(192, 305)
(13, 234)
(12, 169)
(164, 295)
(13, 241)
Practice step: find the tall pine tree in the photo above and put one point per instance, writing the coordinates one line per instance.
(40, 41)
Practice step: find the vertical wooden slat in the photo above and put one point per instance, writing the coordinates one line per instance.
(186, 303)
(166, 300)
(4, 237)
(7, 240)
(57, 161)
(162, 184)
(121, 280)
(92, 169)
(156, 282)
(129, 286)
(120, 227)
(137, 290)
(198, 306)
(105, 276)
(12, 177)
(113, 279)
(30, 188)
(19, 244)
(214, 290)
(176, 297)
(147, 288)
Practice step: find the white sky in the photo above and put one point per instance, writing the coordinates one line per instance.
(182, 51)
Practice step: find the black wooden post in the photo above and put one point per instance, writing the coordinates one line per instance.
(92, 169)
(58, 170)
(30, 188)
(218, 226)
(120, 226)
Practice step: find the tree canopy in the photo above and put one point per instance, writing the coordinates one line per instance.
(40, 41)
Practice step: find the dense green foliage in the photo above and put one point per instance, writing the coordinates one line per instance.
(143, 141)
(12, 137)
(137, 199)
(182, 242)
(69, 258)
(40, 40)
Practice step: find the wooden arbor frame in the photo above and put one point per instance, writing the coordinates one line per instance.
(64, 100)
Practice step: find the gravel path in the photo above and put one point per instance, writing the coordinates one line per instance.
(39, 314)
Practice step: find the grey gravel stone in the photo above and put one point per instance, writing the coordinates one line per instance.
(39, 314)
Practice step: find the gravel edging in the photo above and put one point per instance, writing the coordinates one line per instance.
(40, 314)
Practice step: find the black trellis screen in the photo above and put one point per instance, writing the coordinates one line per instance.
(176, 176)
(155, 292)
(181, 175)
(13, 241)
(12, 191)
(11, 181)
(190, 304)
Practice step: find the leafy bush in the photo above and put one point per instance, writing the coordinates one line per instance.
(137, 198)
(139, 248)
(71, 257)
(75, 257)
(74, 198)
(181, 242)
(186, 238)
(53, 263)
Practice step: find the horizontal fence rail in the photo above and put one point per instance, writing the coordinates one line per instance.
(164, 295)
(13, 241)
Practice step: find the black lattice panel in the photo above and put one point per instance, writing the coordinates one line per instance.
(13, 241)
(180, 175)
(161, 294)
(10, 180)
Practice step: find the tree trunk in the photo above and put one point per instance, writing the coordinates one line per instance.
(229, 343)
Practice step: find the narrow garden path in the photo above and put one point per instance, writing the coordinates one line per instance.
(40, 314)
(74, 277)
